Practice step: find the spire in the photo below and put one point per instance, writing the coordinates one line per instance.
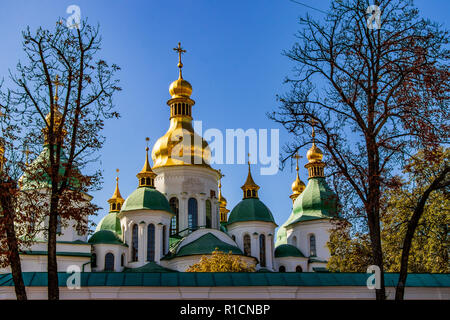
(222, 201)
(146, 176)
(314, 155)
(116, 201)
(250, 188)
(298, 185)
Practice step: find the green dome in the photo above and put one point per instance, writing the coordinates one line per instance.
(206, 244)
(317, 201)
(287, 250)
(110, 222)
(38, 178)
(105, 237)
(146, 198)
(250, 209)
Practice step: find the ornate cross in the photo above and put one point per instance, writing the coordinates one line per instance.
(180, 51)
(313, 122)
(297, 156)
(117, 176)
(57, 84)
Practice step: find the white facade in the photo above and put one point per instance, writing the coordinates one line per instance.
(254, 229)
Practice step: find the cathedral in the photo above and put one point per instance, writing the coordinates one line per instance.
(177, 214)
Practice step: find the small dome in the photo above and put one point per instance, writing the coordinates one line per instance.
(105, 237)
(110, 222)
(298, 186)
(250, 209)
(314, 154)
(180, 88)
(146, 198)
(287, 250)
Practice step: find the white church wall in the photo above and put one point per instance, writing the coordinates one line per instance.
(302, 231)
(254, 229)
(185, 182)
(143, 218)
(291, 263)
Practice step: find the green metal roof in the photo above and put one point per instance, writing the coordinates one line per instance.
(206, 244)
(105, 237)
(58, 253)
(146, 198)
(149, 267)
(250, 209)
(287, 250)
(227, 279)
(110, 222)
(316, 202)
(38, 178)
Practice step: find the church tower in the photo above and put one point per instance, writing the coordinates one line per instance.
(181, 161)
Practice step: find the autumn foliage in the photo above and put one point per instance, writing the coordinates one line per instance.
(220, 261)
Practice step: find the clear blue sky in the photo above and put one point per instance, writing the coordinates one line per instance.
(234, 64)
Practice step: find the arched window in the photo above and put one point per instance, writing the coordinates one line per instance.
(134, 243)
(174, 205)
(249, 193)
(233, 237)
(122, 260)
(118, 206)
(312, 245)
(151, 242)
(294, 241)
(163, 242)
(192, 213)
(94, 260)
(247, 245)
(298, 269)
(253, 193)
(147, 182)
(113, 206)
(208, 214)
(282, 269)
(262, 250)
(142, 181)
(109, 262)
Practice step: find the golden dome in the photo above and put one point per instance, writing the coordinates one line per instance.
(298, 186)
(180, 88)
(314, 154)
(181, 145)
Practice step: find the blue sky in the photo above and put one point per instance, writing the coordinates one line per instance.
(234, 64)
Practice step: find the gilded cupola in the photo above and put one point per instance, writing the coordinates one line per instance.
(57, 115)
(181, 145)
(298, 185)
(146, 177)
(250, 188)
(116, 201)
(314, 155)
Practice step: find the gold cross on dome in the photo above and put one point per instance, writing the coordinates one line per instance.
(297, 156)
(57, 84)
(313, 122)
(180, 52)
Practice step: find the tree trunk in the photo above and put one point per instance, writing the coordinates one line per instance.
(52, 265)
(14, 257)
(412, 226)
